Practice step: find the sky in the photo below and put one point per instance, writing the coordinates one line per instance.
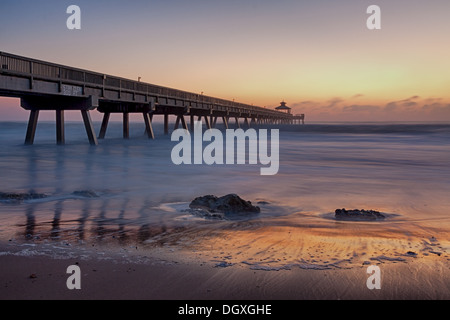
(318, 56)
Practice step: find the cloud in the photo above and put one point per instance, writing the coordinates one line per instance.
(413, 108)
(361, 108)
(309, 105)
(432, 100)
(334, 102)
(436, 107)
(403, 105)
(391, 106)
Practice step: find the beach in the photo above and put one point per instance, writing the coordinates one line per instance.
(119, 212)
(179, 281)
(176, 273)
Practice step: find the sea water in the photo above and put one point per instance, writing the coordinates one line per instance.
(128, 191)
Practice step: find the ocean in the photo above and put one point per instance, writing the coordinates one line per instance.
(129, 194)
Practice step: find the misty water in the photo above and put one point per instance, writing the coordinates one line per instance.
(129, 191)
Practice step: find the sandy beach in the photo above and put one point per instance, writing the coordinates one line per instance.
(103, 280)
(270, 263)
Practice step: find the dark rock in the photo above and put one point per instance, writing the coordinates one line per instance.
(357, 214)
(19, 197)
(206, 214)
(86, 194)
(231, 203)
(206, 203)
(212, 206)
(223, 264)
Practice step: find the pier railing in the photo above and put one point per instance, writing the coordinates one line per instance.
(44, 86)
(90, 82)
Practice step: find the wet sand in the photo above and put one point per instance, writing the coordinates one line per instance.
(238, 261)
(104, 280)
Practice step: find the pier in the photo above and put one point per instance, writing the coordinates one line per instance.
(42, 85)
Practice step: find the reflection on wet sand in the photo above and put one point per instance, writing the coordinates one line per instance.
(30, 223)
(89, 220)
(54, 233)
(100, 229)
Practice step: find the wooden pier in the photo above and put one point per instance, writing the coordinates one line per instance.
(42, 85)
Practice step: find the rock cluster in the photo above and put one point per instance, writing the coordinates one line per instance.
(357, 214)
(221, 207)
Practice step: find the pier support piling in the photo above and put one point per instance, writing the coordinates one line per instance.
(247, 122)
(225, 122)
(192, 122)
(105, 121)
(60, 138)
(31, 129)
(166, 123)
(89, 127)
(237, 122)
(180, 118)
(208, 123)
(148, 125)
(59, 104)
(126, 125)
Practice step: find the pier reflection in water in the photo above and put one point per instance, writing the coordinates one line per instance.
(89, 199)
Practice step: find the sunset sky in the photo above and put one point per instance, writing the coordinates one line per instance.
(317, 55)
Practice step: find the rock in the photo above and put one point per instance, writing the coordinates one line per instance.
(205, 203)
(223, 264)
(19, 197)
(411, 254)
(212, 206)
(86, 194)
(206, 214)
(357, 214)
